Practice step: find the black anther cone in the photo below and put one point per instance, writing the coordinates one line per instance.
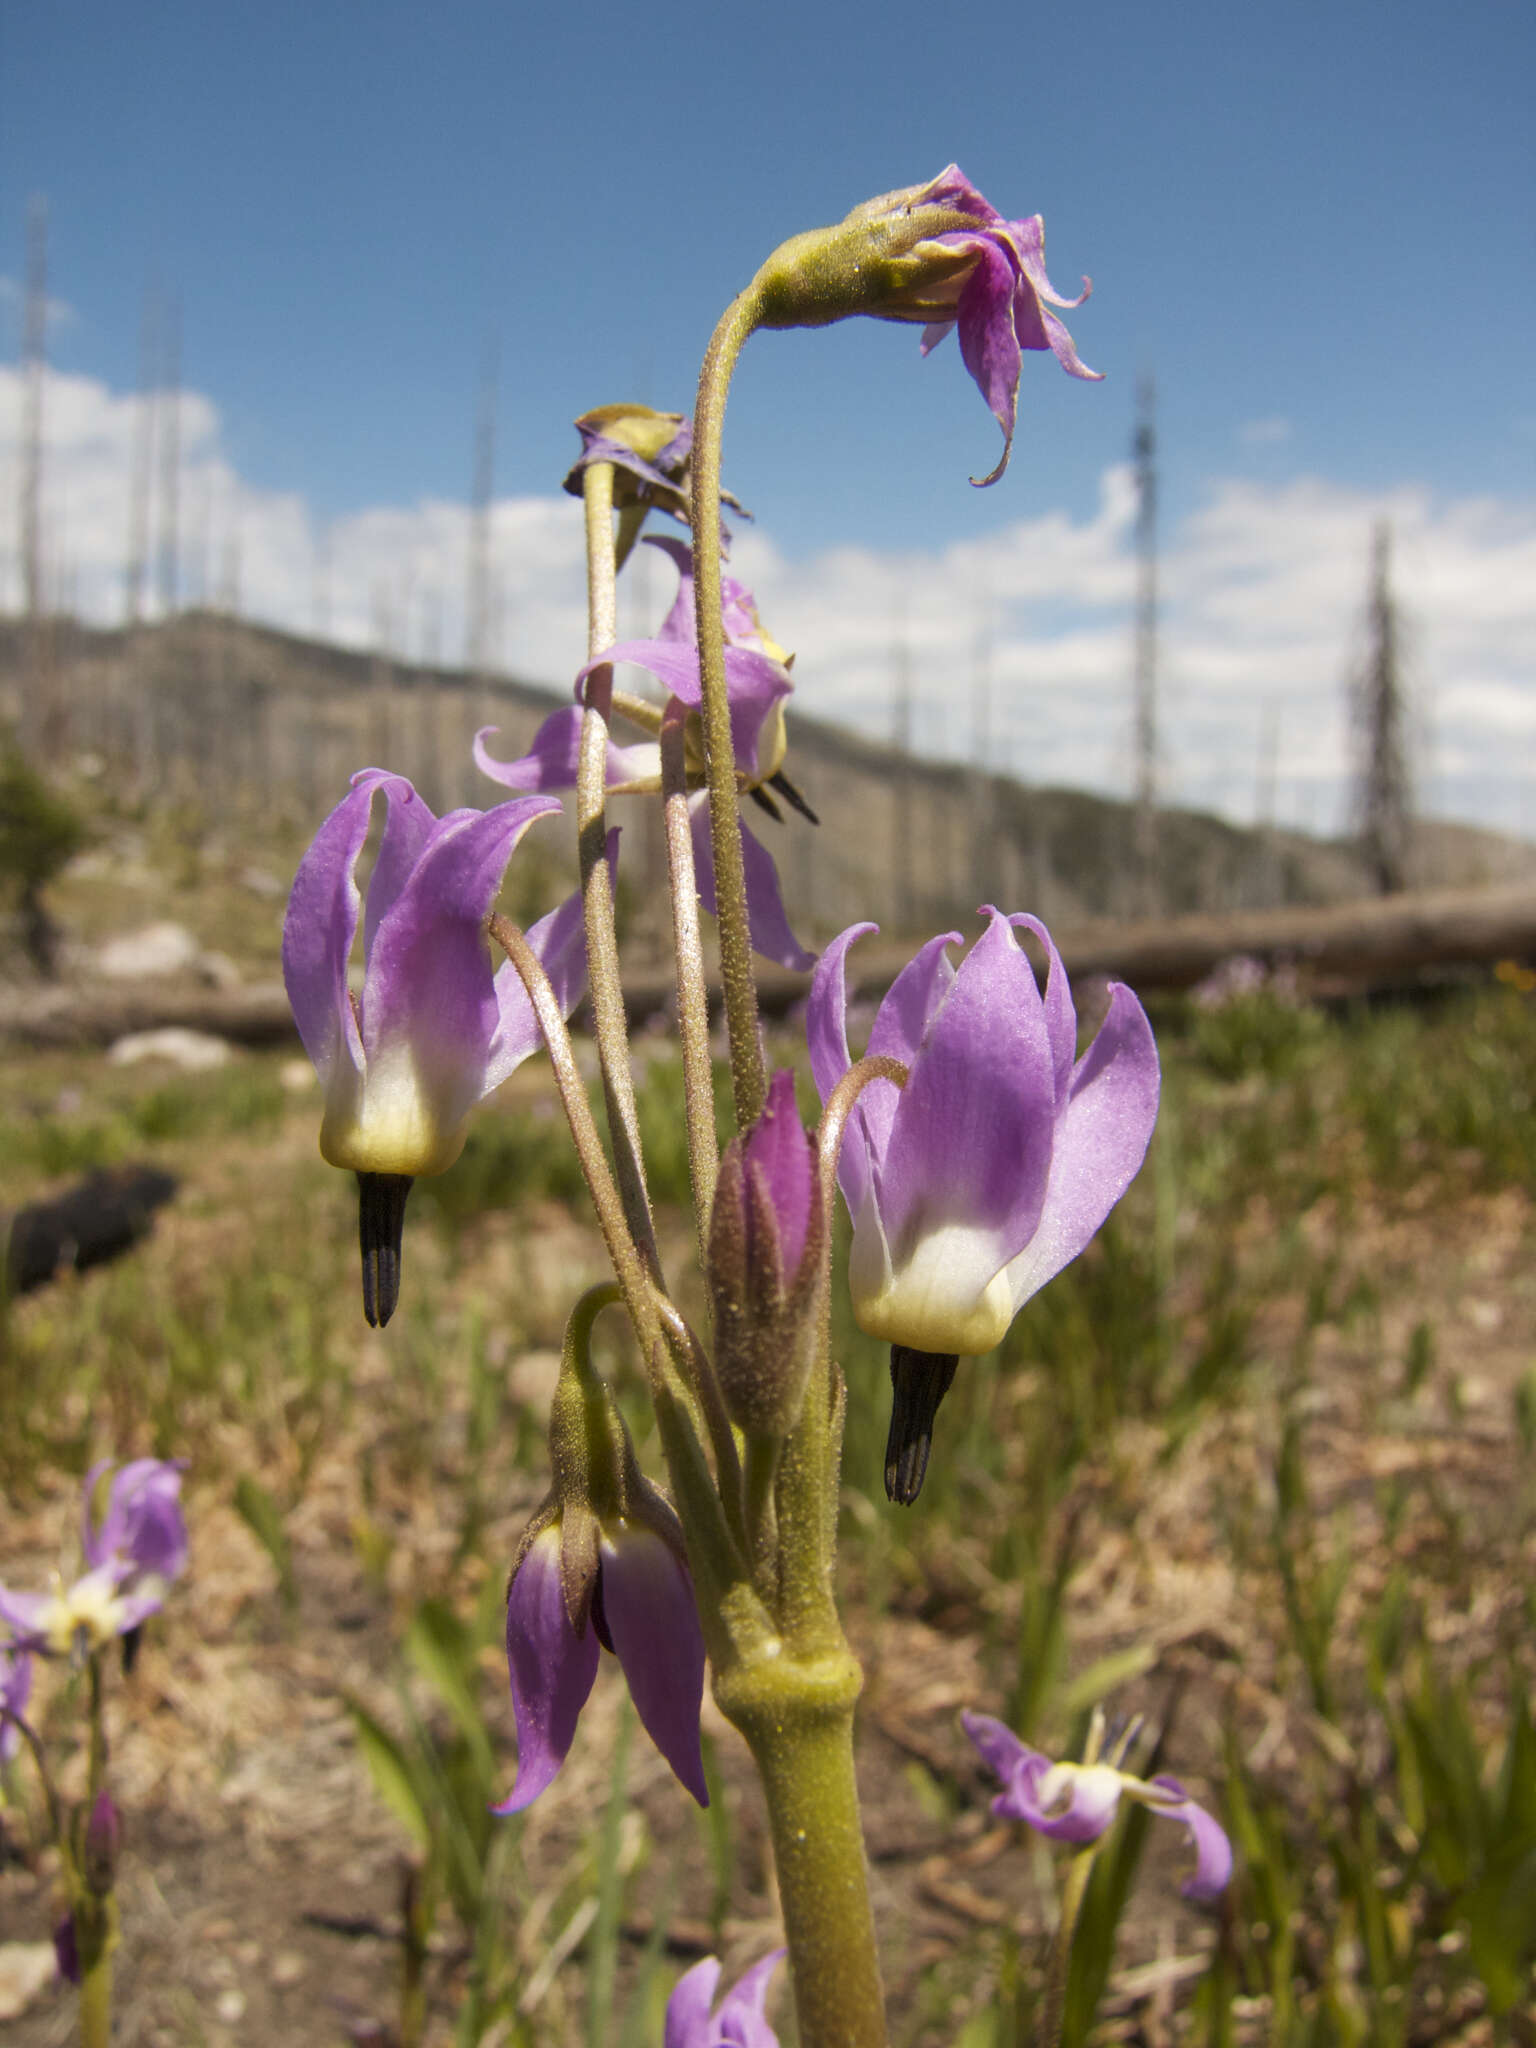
(919, 1382)
(380, 1220)
(792, 796)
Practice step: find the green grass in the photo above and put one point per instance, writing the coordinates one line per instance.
(1264, 1299)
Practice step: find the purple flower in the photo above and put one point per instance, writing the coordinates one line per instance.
(975, 1184)
(435, 1029)
(635, 1599)
(941, 254)
(1077, 1802)
(738, 2022)
(767, 1234)
(15, 1691)
(994, 1166)
(757, 684)
(142, 1531)
(999, 302)
(132, 1558)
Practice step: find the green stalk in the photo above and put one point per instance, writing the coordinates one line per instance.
(609, 1024)
(797, 1718)
(748, 1081)
(1073, 1891)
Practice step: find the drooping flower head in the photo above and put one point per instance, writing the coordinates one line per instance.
(975, 1184)
(132, 1558)
(602, 1566)
(435, 1029)
(648, 452)
(1077, 1802)
(757, 685)
(940, 254)
(739, 2021)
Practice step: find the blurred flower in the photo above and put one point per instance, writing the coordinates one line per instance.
(941, 254)
(633, 1596)
(1077, 1802)
(992, 1169)
(435, 1029)
(738, 2022)
(767, 1233)
(101, 1845)
(143, 1527)
(757, 684)
(132, 1558)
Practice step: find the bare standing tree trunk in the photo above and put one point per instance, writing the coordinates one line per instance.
(1384, 798)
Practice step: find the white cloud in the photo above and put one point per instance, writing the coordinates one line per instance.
(1024, 631)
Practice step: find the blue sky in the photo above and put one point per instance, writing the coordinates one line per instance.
(1312, 223)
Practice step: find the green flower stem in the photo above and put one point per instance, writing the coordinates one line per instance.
(748, 1081)
(692, 994)
(797, 1718)
(610, 1026)
(1073, 1891)
(96, 1985)
(629, 1266)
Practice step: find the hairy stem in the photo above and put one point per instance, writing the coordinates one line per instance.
(1074, 1889)
(609, 1024)
(797, 1718)
(692, 994)
(748, 1080)
(629, 1266)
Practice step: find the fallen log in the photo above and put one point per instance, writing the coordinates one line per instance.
(1340, 948)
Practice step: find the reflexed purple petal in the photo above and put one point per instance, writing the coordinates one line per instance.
(408, 825)
(1101, 1140)
(559, 940)
(781, 1150)
(907, 1009)
(826, 1031)
(321, 923)
(689, 2006)
(649, 1606)
(551, 1670)
(999, 1748)
(1213, 1851)
(771, 935)
(26, 1615)
(741, 2020)
(1060, 1016)
(970, 1141)
(551, 763)
(429, 988)
(988, 341)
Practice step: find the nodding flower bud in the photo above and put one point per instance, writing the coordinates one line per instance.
(602, 1565)
(940, 254)
(648, 450)
(767, 1236)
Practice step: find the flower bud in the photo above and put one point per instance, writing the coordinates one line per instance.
(648, 451)
(767, 1235)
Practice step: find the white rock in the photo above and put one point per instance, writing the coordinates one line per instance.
(193, 1051)
(27, 1969)
(157, 949)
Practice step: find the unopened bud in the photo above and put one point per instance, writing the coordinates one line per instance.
(767, 1237)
